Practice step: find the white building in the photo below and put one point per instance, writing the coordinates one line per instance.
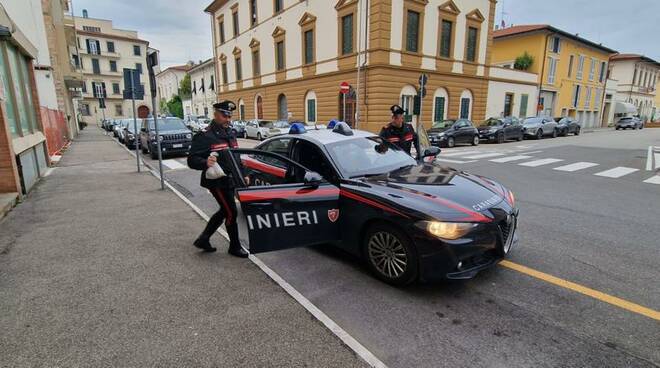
(104, 53)
(509, 98)
(638, 77)
(203, 88)
(169, 80)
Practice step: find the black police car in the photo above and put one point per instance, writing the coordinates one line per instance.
(499, 130)
(448, 133)
(175, 137)
(407, 219)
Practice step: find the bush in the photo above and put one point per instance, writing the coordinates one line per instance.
(175, 107)
(524, 61)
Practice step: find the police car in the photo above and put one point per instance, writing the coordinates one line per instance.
(409, 220)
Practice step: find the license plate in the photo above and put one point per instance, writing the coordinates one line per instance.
(178, 145)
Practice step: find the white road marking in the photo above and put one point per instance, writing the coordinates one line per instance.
(452, 154)
(530, 153)
(649, 159)
(576, 166)
(653, 180)
(545, 161)
(453, 161)
(483, 155)
(616, 172)
(510, 158)
(347, 339)
(174, 164)
(657, 160)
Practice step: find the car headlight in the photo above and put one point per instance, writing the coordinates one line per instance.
(447, 230)
(130, 136)
(188, 136)
(442, 134)
(492, 130)
(160, 138)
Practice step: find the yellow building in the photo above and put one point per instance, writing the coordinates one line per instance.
(571, 70)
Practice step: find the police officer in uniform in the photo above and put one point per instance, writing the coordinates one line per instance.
(216, 137)
(399, 133)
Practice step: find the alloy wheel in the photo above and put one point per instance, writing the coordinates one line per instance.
(387, 254)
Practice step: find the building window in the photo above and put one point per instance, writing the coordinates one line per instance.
(76, 61)
(224, 73)
(597, 100)
(445, 38)
(508, 104)
(524, 100)
(221, 28)
(138, 67)
(119, 110)
(439, 114)
(601, 77)
(471, 54)
(592, 69)
(256, 63)
(259, 107)
(234, 17)
(241, 111)
(570, 65)
(347, 34)
(93, 47)
(278, 6)
(202, 86)
(84, 87)
(212, 84)
(194, 88)
(10, 93)
(587, 98)
(111, 46)
(84, 109)
(136, 50)
(412, 31)
(279, 55)
(253, 12)
(239, 69)
(98, 90)
(113, 66)
(96, 69)
(115, 88)
(552, 70)
(91, 29)
(309, 47)
(576, 95)
(580, 67)
(465, 108)
(311, 110)
(555, 45)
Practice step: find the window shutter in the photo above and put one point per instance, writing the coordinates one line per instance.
(89, 48)
(98, 47)
(439, 109)
(202, 88)
(212, 84)
(524, 99)
(412, 32)
(311, 110)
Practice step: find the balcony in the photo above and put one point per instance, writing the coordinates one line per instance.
(104, 54)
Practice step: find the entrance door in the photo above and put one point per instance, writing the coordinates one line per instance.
(351, 103)
(288, 206)
(282, 108)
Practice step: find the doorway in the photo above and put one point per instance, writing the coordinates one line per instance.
(282, 108)
(351, 104)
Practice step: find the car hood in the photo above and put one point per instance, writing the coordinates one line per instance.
(488, 127)
(438, 130)
(531, 125)
(442, 192)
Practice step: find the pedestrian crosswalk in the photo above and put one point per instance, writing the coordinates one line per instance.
(523, 157)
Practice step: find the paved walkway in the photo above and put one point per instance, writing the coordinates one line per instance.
(97, 269)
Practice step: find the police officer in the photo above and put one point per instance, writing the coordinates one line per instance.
(399, 133)
(216, 137)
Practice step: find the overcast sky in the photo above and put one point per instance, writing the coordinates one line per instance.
(181, 30)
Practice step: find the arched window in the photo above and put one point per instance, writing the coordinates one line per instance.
(282, 108)
(466, 105)
(259, 107)
(310, 107)
(241, 109)
(407, 97)
(440, 103)
(347, 107)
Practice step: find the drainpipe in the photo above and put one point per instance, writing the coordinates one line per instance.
(545, 53)
(363, 63)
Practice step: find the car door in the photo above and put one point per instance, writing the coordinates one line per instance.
(296, 208)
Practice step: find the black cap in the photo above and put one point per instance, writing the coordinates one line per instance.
(225, 107)
(397, 110)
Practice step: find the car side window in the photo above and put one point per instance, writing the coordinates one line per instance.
(279, 146)
(263, 169)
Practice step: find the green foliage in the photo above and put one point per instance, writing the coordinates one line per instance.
(175, 107)
(185, 88)
(163, 106)
(524, 61)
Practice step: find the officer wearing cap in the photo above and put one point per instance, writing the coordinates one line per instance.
(216, 137)
(399, 133)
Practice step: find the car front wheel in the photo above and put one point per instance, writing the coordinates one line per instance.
(259, 136)
(539, 134)
(450, 142)
(500, 138)
(475, 140)
(577, 131)
(390, 255)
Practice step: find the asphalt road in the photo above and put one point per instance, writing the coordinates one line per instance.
(581, 223)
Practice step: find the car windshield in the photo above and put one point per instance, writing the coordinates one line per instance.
(367, 156)
(533, 121)
(493, 122)
(266, 124)
(281, 124)
(168, 124)
(625, 119)
(443, 124)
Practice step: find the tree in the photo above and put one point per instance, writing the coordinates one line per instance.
(185, 89)
(175, 107)
(524, 61)
(163, 106)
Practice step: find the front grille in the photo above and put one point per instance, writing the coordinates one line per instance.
(505, 229)
(174, 137)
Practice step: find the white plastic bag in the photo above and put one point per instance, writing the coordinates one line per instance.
(215, 171)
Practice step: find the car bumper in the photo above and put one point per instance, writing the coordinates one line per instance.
(487, 136)
(167, 147)
(438, 141)
(464, 258)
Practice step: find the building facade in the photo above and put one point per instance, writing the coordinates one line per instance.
(286, 59)
(104, 52)
(169, 80)
(203, 89)
(571, 70)
(511, 93)
(638, 77)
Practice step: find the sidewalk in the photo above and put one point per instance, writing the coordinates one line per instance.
(97, 269)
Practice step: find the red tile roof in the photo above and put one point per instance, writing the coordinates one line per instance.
(528, 28)
(634, 57)
(502, 32)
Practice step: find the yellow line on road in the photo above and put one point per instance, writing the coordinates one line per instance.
(624, 304)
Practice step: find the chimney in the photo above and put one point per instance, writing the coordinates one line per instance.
(85, 14)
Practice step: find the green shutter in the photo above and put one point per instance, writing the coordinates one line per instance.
(412, 31)
(445, 39)
(472, 44)
(439, 109)
(309, 47)
(311, 110)
(523, 106)
(347, 34)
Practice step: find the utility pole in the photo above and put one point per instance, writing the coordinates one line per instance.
(132, 82)
(152, 61)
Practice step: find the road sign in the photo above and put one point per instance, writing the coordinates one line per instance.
(132, 78)
(344, 88)
(423, 79)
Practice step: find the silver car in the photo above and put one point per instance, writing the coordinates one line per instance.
(539, 127)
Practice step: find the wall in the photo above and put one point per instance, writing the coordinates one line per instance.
(498, 88)
(506, 50)
(203, 99)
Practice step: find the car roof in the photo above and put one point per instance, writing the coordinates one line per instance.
(327, 136)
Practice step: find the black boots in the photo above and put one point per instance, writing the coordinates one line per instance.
(238, 251)
(204, 244)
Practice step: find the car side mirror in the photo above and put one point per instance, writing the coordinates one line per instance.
(431, 152)
(312, 179)
(144, 130)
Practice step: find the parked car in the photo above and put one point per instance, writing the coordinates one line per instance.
(629, 123)
(258, 129)
(567, 125)
(539, 127)
(173, 134)
(279, 127)
(448, 133)
(131, 137)
(123, 124)
(501, 129)
(116, 127)
(238, 127)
